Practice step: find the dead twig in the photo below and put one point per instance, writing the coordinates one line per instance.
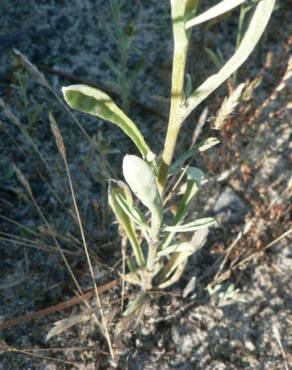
(58, 307)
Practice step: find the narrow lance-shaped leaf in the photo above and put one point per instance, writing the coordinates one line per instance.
(176, 275)
(134, 214)
(194, 179)
(201, 147)
(192, 226)
(216, 10)
(255, 30)
(174, 268)
(95, 102)
(117, 188)
(176, 260)
(215, 59)
(179, 247)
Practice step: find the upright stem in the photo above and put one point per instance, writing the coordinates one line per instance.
(178, 9)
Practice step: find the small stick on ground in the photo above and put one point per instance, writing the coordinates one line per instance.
(58, 307)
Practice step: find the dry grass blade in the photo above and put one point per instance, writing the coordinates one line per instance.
(65, 324)
(235, 265)
(41, 78)
(21, 226)
(277, 336)
(268, 246)
(32, 244)
(32, 68)
(27, 187)
(28, 138)
(61, 148)
(280, 87)
(228, 106)
(28, 353)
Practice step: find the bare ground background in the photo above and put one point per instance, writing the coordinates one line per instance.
(185, 328)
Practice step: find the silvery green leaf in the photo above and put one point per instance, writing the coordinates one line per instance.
(176, 265)
(176, 271)
(90, 100)
(134, 213)
(192, 226)
(199, 238)
(116, 189)
(142, 181)
(214, 12)
(255, 30)
(207, 143)
(180, 247)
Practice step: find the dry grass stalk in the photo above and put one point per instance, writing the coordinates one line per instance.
(280, 87)
(27, 187)
(61, 148)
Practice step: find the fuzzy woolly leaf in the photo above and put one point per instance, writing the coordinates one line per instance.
(142, 181)
(95, 102)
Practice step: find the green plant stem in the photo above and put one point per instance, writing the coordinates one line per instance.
(177, 90)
